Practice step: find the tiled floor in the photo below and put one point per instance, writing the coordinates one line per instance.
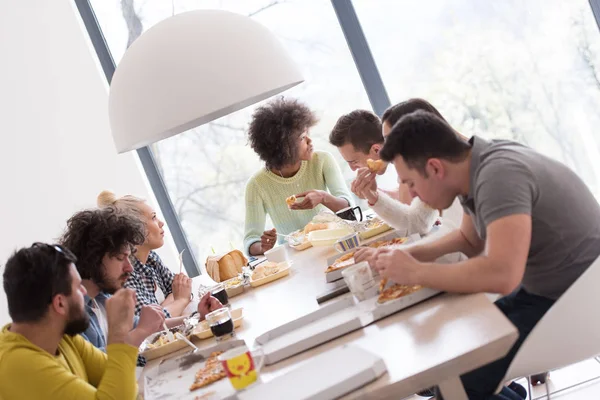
(561, 381)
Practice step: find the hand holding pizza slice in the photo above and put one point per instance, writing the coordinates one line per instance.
(397, 265)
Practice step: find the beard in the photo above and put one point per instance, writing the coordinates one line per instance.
(110, 286)
(78, 322)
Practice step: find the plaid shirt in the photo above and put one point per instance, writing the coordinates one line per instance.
(144, 279)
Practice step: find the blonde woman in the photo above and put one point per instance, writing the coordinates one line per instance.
(149, 272)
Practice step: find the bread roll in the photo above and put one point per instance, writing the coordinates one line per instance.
(290, 200)
(376, 166)
(225, 266)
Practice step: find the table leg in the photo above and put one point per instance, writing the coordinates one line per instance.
(452, 389)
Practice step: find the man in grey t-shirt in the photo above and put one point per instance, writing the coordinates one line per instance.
(531, 226)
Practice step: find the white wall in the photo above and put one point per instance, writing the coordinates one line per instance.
(56, 151)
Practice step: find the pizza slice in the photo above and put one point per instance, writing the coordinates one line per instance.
(393, 241)
(397, 291)
(382, 284)
(344, 261)
(211, 372)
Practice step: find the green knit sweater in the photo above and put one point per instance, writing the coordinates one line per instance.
(266, 193)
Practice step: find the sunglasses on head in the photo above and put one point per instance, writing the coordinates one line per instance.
(55, 247)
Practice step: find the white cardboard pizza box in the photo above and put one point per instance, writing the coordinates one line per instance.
(331, 321)
(172, 378)
(330, 375)
(327, 323)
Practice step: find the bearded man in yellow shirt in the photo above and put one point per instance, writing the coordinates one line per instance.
(42, 354)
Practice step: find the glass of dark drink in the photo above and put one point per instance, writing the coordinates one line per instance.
(220, 293)
(221, 324)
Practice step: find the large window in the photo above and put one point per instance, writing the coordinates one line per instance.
(206, 169)
(521, 70)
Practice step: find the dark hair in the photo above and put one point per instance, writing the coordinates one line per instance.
(421, 135)
(275, 128)
(91, 234)
(33, 276)
(361, 128)
(397, 111)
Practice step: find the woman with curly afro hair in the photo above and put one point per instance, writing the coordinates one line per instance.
(279, 134)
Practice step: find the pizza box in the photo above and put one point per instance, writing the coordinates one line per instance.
(337, 274)
(329, 322)
(332, 321)
(172, 378)
(374, 311)
(331, 375)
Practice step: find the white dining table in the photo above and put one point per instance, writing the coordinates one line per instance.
(431, 343)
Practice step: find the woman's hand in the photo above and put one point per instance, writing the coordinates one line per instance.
(182, 287)
(268, 240)
(311, 199)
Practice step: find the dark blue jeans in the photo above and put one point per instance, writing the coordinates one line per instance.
(524, 310)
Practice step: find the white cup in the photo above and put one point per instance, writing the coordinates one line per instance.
(277, 254)
(348, 242)
(359, 279)
(242, 366)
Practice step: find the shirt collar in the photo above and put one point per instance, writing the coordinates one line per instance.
(100, 299)
(140, 266)
(478, 145)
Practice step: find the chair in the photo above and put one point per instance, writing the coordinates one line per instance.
(568, 333)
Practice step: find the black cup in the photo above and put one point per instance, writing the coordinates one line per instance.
(349, 214)
(220, 293)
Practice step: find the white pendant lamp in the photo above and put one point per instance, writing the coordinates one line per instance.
(193, 68)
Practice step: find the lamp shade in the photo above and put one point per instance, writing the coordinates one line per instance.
(193, 68)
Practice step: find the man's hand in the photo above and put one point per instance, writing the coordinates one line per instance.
(182, 287)
(151, 320)
(365, 185)
(312, 198)
(365, 254)
(397, 265)
(120, 309)
(268, 240)
(207, 305)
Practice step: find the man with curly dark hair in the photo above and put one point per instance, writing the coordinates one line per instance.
(103, 241)
(279, 134)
